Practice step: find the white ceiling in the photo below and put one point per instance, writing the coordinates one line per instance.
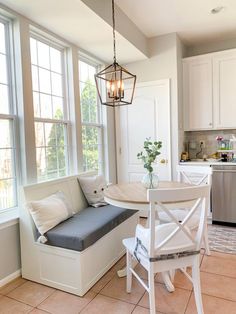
(191, 19)
(74, 21)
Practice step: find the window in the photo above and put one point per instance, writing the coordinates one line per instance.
(50, 109)
(91, 119)
(8, 184)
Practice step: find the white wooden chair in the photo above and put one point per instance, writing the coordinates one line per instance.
(198, 176)
(169, 246)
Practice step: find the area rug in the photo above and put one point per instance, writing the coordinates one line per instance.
(222, 239)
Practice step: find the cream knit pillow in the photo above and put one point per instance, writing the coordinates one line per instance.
(50, 211)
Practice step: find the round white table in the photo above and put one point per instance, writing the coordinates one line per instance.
(134, 196)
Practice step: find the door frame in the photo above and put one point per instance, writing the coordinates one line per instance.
(117, 125)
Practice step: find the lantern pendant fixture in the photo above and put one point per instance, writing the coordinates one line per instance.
(115, 85)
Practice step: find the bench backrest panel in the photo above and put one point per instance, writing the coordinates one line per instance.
(68, 185)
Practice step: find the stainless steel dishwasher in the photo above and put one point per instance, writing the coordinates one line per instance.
(224, 195)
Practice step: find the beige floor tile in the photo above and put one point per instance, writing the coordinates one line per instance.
(166, 302)
(105, 305)
(212, 305)
(142, 310)
(37, 311)
(180, 281)
(12, 285)
(10, 306)
(120, 264)
(224, 255)
(218, 286)
(31, 293)
(61, 302)
(103, 281)
(116, 288)
(219, 265)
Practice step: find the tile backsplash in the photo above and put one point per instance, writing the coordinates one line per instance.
(209, 137)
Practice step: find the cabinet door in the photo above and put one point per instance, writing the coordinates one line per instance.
(198, 93)
(224, 86)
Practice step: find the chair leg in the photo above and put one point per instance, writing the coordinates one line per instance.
(197, 285)
(128, 271)
(172, 275)
(206, 242)
(151, 277)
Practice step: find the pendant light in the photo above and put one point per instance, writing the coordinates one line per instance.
(115, 85)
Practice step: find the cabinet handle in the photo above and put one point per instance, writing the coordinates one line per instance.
(210, 123)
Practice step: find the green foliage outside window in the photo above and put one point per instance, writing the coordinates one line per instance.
(88, 100)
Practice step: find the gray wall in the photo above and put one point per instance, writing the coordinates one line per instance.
(162, 64)
(10, 250)
(195, 50)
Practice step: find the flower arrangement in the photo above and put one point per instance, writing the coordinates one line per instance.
(148, 157)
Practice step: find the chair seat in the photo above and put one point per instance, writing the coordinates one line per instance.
(180, 242)
(179, 214)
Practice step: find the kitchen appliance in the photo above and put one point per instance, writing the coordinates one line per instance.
(224, 195)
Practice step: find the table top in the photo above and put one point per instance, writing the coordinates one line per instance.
(135, 192)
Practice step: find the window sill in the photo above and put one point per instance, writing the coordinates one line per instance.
(9, 218)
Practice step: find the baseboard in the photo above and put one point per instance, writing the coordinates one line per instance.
(10, 277)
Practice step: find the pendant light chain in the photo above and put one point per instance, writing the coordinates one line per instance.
(114, 33)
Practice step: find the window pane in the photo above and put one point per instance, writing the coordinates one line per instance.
(2, 38)
(6, 163)
(56, 84)
(44, 81)
(43, 55)
(55, 59)
(36, 104)
(7, 194)
(50, 135)
(41, 162)
(39, 134)
(6, 134)
(46, 106)
(35, 78)
(57, 108)
(88, 101)
(3, 69)
(33, 51)
(4, 99)
(90, 148)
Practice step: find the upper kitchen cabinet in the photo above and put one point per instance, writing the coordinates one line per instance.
(210, 91)
(197, 82)
(224, 89)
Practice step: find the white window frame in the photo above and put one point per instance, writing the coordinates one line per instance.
(99, 125)
(66, 109)
(12, 116)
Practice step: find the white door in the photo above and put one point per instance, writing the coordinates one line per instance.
(198, 93)
(148, 116)
(224, 73)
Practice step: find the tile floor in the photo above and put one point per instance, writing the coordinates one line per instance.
(218, 278)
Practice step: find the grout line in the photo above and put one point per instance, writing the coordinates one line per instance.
(207, 272)
(188, 301)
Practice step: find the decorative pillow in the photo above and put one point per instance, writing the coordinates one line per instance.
(93, 188)
(50, 211)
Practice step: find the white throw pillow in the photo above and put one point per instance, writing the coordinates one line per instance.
(50, 211)
(93, 189)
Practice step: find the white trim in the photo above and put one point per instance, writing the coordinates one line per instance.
(10, 277)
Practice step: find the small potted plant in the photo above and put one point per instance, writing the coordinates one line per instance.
(148, 157)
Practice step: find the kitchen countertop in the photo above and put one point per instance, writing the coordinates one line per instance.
(207, 163)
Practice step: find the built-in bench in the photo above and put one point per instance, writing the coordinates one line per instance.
(79, 250)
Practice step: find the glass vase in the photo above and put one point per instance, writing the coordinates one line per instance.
(150, 181)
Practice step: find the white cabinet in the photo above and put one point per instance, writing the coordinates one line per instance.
(198, 93)
(224, 82)
(210, 91)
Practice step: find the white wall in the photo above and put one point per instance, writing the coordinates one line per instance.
(162, 64)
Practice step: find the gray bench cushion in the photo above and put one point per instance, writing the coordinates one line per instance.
(85, 228)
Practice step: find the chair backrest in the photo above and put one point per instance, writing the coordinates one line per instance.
(186, 174)
(158, 199)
